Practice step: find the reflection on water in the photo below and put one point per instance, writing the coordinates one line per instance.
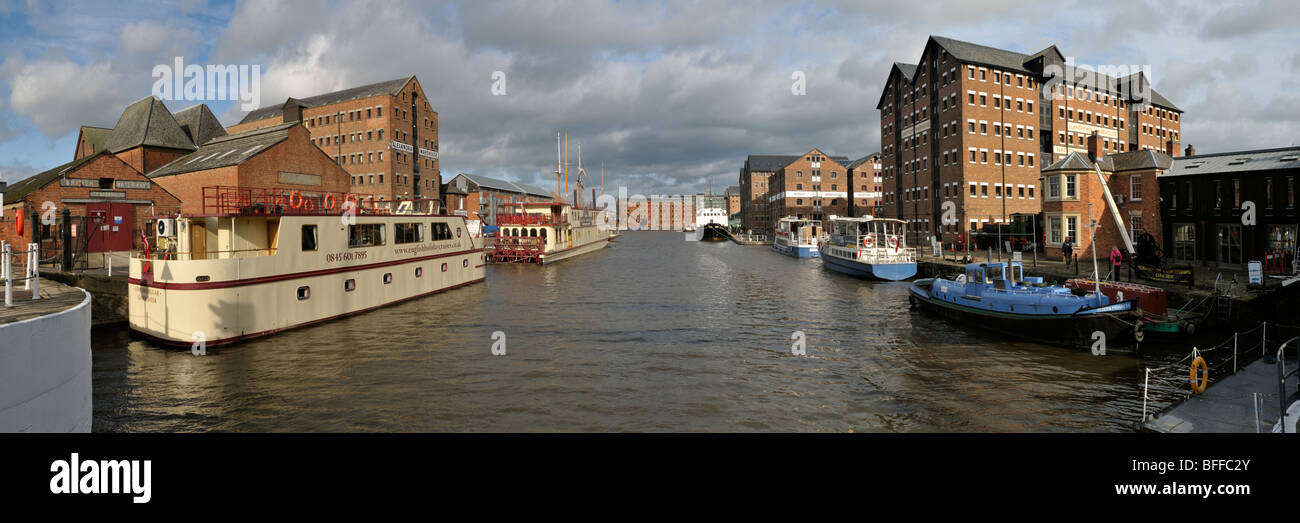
(653, 334)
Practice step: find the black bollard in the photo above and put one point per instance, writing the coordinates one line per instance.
(65, 240)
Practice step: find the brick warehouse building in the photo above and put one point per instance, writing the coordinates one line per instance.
(813, 186)
(385, 135)
(867, 184)
(485, 197)
(972, 124)
(755, 214)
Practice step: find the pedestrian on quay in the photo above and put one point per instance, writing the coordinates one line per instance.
(1115, 259)
(1067, 249)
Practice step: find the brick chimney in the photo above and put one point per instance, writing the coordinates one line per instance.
(1190, 151)
(1094, 147)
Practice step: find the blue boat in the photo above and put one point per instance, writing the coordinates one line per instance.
(998, 297)
(868, 247)
(797, 237)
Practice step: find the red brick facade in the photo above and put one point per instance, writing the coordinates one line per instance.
(813, 186)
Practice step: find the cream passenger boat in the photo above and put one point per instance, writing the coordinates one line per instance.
(259, 261)
(547, 232)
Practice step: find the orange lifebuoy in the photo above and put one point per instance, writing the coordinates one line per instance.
(1198, 385)
(870, 240)
(329, 202)
(349, 198)
(893, 242)
(19, 224)
(295, 200)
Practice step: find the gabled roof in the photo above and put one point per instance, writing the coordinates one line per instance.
(353, 93)
(774, 162)
(861, 160)
(95, 136)
(506, 185)
(907, 71)
(147, 122)
(227, 150)
(199, 124)
(1281, 158)
(1073, 162)
(734, 190)
(31, 184)
(970, 53)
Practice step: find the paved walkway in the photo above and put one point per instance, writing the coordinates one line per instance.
(55, 297)
(1227, 405)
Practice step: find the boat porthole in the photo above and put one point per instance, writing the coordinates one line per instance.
(464, 262)
(444, 267)
(1053, 308)
(349, 285)
(419, 271)
(304, 292)
(388, 278)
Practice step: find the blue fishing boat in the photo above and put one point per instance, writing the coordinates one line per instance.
(997, 296)
(868, 247)
(797, 237)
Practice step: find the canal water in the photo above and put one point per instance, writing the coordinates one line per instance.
(652, 334)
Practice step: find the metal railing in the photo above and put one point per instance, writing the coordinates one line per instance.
(1282, 376)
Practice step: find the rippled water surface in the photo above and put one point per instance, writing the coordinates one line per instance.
(652, 334)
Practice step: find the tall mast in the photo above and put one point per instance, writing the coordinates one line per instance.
(558, 189)
(602, 177)
(566, 166)
(581, 173)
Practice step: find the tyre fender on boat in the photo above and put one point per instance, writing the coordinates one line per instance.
(1198, 385)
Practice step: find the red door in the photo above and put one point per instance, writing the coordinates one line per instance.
(111, 226)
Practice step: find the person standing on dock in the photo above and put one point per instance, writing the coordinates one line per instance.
(1067, 249)
(1115, 259)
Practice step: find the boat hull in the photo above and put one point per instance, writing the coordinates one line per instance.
(592, 246)
(877, 271)
(797, 251)
(713, 233)
(1070, 330)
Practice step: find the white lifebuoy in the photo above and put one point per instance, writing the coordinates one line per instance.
(870, 240)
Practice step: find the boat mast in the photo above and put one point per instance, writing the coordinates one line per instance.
(581, 173)
(558, 192)
(566, 166)
(1096, 274)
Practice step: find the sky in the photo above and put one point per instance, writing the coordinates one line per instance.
(670, 96)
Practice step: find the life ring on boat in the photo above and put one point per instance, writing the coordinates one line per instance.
(329, 202)
(1198, 385)
(349, 198)
(295, 200)
(870, 240)
(893, 242)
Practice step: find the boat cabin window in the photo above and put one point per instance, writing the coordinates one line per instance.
(974, 277)
(407, 233)
(309, 237)
(994, 274)
(365, 235)
(1017, 274)
(440, 231)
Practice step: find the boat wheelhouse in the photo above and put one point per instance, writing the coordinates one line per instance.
(797, 237)
(868, 247)
(547, 232)
(259, 261)
(999, 297)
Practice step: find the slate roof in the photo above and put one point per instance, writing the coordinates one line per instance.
(20, 189)
(199, 124)
(732, 191)
(95, 136)
(227, 150)
(353, 93)
(147, 122)
(774, 162)
(506, 185)
(861, 160)
(1113, 163)
(1237, 161)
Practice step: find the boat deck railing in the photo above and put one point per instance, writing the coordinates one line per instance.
(232, 200)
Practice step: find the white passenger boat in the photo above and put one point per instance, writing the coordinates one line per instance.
(868, 247)
(547, 232)
(797, 237)
(259, 261)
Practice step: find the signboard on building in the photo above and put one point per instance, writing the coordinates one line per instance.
(132, 184)
(432, 155)
(78, 182)
(107, 194)
(399, 146)
(300, 179)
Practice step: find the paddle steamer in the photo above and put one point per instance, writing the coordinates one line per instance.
(260, 261)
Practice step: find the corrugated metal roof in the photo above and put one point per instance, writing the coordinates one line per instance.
(506, 185)
(1283, 158)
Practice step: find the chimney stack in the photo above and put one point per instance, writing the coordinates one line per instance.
(1094, 147)
(1191, 151)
